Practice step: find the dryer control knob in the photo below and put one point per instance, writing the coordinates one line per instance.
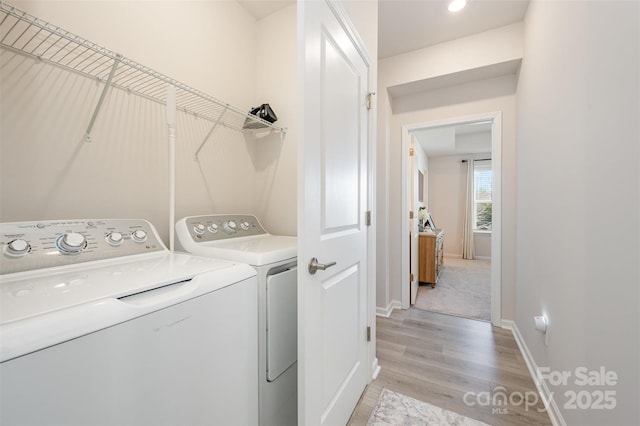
(199, 229)
(230, 227)
(18, 247)
(115, 239)
(244, 225)
(71, 243)
(213, 228)
(139, 236)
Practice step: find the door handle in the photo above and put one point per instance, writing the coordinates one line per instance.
(314, 265)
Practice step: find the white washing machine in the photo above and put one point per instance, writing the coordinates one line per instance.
(101, 324)
(241, 238)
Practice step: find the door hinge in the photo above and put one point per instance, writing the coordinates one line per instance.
(368, 333)
(369, 96)
(411, 277)
(411, 152)
(367, 218)
(411, 214)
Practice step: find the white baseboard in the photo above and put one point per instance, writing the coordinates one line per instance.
(386, 312)
(375, 369)
(459, 256)
(552, 408)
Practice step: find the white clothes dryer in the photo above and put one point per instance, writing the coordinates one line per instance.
(241, 238)
(101, 324)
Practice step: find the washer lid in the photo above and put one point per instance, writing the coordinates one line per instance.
(257, 250)
(39, 311)
(30, 294)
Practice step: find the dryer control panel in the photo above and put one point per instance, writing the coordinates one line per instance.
(29, 246)
(220, 227)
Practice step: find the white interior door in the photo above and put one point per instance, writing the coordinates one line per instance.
(332, 194)
(413, 223)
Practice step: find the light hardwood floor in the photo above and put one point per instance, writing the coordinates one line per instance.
(438, 358)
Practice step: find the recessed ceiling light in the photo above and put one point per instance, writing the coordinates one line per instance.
(457, 5)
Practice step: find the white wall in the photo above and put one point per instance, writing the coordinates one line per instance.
(383, 248)
(447, 188)
(422, 165)
(447, 195)
(484, 49)
(578, 186)
(275, 158)
(48, 172)
(482, 245)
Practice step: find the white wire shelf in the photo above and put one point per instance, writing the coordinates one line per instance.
(28, 35)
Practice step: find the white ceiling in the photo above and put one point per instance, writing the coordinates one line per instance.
(468, 138)
(406, 25)
(261, 8)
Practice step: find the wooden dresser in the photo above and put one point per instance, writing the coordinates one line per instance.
(430, 256)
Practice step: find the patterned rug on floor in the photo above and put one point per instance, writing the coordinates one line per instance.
(396, 409)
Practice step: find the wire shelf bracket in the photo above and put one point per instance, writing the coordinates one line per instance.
(206, 138)
(87, 135)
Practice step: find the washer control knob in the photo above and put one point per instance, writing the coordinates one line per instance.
(230, 227)
(71, 243)
(199, 229)
(18, 247)
(244, 225)
(213, 228)
(139, 236)
(115, 239)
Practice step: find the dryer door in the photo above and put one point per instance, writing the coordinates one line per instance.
(282, 318)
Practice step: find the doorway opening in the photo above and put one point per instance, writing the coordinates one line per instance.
(458, 261)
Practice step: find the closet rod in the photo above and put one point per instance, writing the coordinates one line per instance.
(479, 159)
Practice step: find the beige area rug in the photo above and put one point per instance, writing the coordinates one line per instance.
(396, 409)
(463, 289)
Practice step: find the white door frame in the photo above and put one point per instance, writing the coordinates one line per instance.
(496, 232)
(412, 187)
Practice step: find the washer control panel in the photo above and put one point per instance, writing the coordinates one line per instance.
(29, 246)
(221, 227)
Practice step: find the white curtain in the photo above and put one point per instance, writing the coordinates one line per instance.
(467, 231)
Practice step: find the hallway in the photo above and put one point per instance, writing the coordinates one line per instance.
(439, 358)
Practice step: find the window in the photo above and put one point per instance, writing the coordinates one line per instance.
(482, 183)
